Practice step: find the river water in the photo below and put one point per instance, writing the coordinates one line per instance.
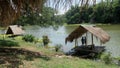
(58, 37)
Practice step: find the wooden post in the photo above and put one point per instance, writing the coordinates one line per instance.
(92, 42)
(86, 38)
(76, 42)
(92, 38)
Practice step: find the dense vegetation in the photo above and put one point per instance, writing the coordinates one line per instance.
(46, 18)
(11, 10)
(103, 12)
(8, 43)
(28, 38)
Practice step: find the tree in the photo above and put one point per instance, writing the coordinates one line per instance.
(10, 10)
(75, 15)
(117, 11)
(33, 18)
(104, 12)
(47, 17)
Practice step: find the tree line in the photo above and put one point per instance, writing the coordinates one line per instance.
(103, 12)
(11, 10)
(47, 17)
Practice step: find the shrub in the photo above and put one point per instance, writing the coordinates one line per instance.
(8, 43)
(28, 38)
(45, 40)
(57, 47)
(106, 57)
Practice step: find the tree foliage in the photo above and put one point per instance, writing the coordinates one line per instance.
(103, 12)
(10, 10)
(47, 17)
(28, 38)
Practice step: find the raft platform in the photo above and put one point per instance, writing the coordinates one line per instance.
(86, 51)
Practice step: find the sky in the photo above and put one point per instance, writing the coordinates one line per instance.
(62, 11)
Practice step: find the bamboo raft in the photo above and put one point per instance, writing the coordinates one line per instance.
(86, 51)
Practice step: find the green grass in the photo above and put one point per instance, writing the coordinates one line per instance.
(73, 62)
(51, 59)
(65, 62)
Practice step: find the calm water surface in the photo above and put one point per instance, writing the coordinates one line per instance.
(58, 36)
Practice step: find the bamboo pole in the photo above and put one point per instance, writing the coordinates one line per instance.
(92, 41)
(86, 38)
(76, 42)
(92, 38)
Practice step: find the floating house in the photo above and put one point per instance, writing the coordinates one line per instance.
(15, 30)
(88, 49)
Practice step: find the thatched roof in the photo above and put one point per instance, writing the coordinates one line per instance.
(15, 30)
(96, 31)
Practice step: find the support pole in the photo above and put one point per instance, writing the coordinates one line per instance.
(86, 38)
(92, 39)
(92, 42)
(76, 43)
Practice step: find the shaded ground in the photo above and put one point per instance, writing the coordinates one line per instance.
(14, 57)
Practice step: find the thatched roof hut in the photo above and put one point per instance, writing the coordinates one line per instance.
(94, 30)
(15, 30)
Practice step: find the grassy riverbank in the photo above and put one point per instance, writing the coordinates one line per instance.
(48, 58)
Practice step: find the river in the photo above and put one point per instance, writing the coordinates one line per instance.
(58, 37)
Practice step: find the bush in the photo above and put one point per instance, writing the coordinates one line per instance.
(106, 57)
(28, 38)
(45, 40)
(8, 43)
(57, 47)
